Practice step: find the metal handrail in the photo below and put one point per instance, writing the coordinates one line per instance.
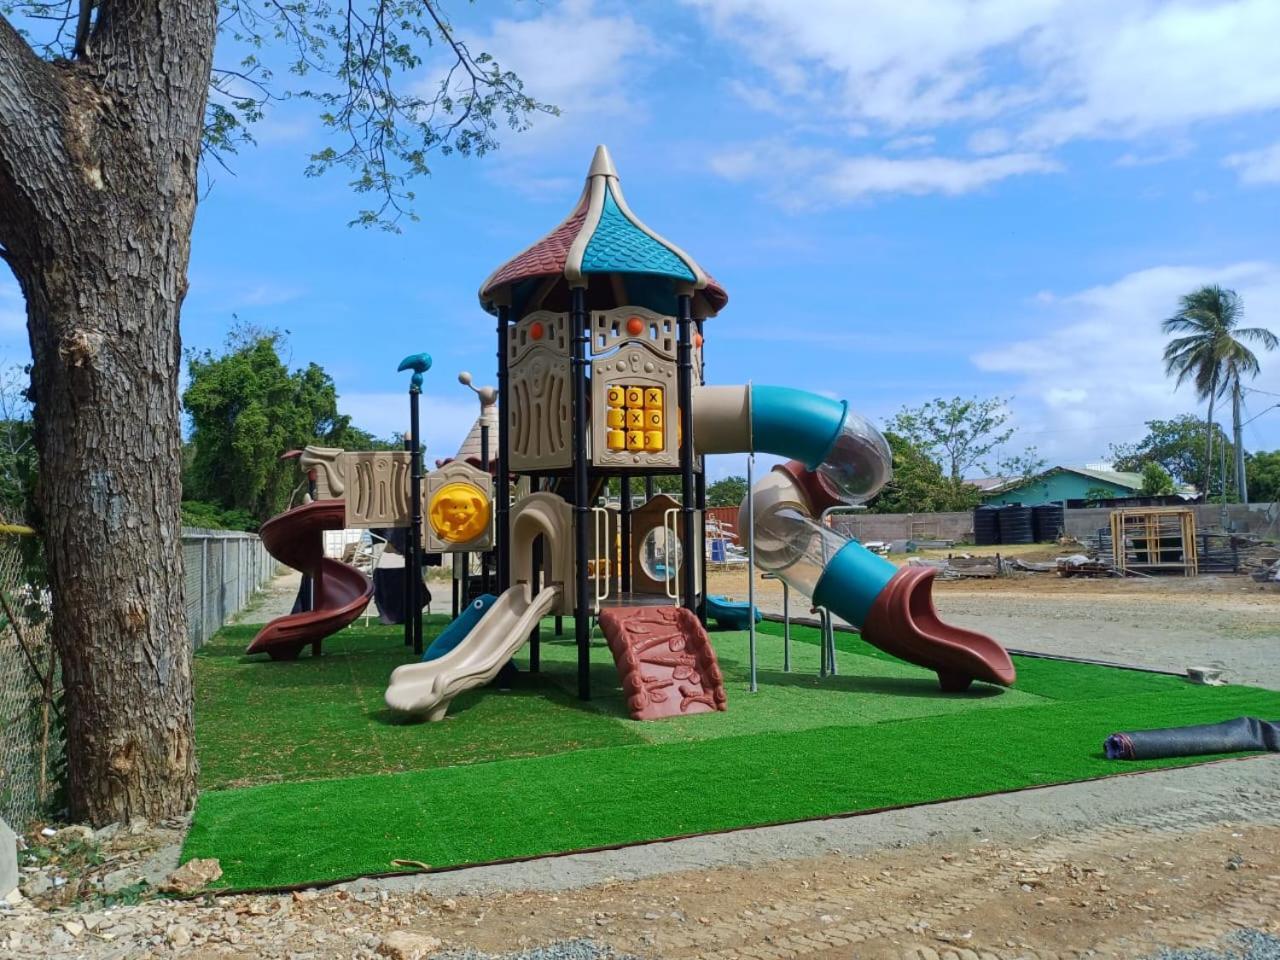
(671, 581)
(602, 562)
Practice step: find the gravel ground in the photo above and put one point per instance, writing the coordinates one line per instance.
(1245, 945)
(1230, 623)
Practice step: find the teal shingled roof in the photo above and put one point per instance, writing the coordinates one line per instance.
(619, 246)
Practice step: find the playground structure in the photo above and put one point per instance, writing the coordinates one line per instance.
(600, 380)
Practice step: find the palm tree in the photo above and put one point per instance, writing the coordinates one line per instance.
(1212, 354)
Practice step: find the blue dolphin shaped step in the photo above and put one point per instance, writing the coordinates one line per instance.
(456, 632)
(730, 614)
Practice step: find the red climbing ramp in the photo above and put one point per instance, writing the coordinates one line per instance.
(296, 538)
(666, 663)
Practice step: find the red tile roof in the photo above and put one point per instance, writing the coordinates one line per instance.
(546, 258)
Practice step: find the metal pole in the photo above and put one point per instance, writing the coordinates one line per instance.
(649, 489)
(204, 589)
(415, 524)
(786, 626)
(456, 584)
(419, 363)
(684, 385)
(536, 587)
(701, 497)
(624, 521)
(751, 566)
(502, 481)
(407, 555)
(581, 490)
(484, 465)
(1242, 481)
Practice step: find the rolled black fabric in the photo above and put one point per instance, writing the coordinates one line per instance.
(1240, 735)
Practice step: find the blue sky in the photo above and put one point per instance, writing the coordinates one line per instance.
(904, 200)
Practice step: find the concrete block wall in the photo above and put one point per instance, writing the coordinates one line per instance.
(1260, 519)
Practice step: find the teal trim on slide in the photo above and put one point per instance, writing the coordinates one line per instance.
(852, 581)
(619, 246)
(794, 423)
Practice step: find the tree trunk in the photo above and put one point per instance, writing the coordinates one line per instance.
(97, 197)
(1208, 451)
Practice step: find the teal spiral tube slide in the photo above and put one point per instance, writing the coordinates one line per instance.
(836, 457)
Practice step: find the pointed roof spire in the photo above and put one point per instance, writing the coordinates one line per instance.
(602, 164)
(602, 236)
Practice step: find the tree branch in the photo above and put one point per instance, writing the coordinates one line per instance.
(32, 104)
(83, 21)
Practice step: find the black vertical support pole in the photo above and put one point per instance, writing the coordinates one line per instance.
(408, 553)
(648, 489)
(484, 465)
(581, 483)
(536, 587)
(502, 482)
(415, 526)
(624, 522)
(684, 384)
(454, 570)
(702, 491)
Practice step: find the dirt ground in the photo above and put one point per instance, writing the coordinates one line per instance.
(1183, 878)
(1168, 623)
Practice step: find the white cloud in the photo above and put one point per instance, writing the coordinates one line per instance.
(1256, 166)
(919, 141)
(584, 62)
(989, 140)
(1048, 70)
(1097, 375)
(801, 176)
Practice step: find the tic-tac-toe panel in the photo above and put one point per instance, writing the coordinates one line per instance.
(633, 408)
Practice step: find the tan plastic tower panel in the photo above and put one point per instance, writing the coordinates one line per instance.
(457, 512)
(612, 328)
(540, 394)
(551, 517)
(326, 462)
(377, 488)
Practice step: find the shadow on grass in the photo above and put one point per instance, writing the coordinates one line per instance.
(911, 687)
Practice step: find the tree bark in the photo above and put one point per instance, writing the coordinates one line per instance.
(98, 167)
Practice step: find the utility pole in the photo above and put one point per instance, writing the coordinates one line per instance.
(1237, 430)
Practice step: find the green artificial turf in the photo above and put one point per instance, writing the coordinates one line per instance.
(259, 721)
(534, 771)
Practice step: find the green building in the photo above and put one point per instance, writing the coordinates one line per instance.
(1062, 483)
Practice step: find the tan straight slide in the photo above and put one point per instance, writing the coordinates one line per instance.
(427, 688)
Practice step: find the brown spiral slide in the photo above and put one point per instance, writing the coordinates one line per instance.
(296, 539)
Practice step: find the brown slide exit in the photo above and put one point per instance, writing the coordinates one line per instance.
(296, 539)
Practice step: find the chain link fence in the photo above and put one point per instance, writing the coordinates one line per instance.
(30, 683)
(223, 571)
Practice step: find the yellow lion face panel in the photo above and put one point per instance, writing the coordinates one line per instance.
(459, 512)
